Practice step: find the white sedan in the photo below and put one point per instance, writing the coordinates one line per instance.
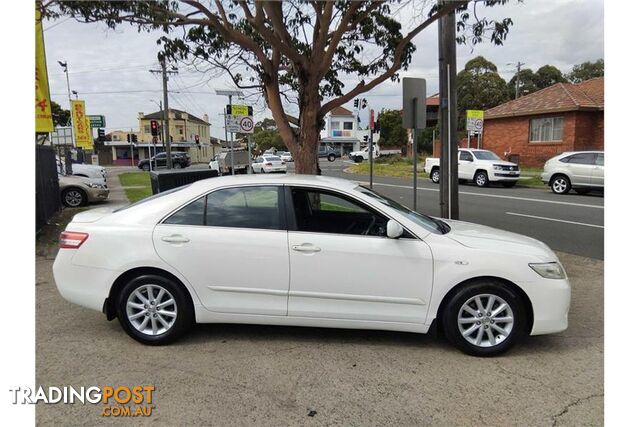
(268, 163)
(330, 254)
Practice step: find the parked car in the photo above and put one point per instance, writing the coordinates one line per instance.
(88, 171)
(480, 166)
(268, 164)
(328, 152)
(222, 162)
(179, 161)
(581, 171)
(285, 155)
(78, 191)
(359, 156)
(187, 255)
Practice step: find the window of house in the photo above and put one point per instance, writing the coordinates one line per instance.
(147, 129)
(348, 126)
(546, 129)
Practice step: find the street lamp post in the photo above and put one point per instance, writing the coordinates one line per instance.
(230, 94)
(67, 166)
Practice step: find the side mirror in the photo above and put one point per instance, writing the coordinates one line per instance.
(394, 229)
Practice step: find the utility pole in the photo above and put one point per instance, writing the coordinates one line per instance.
(448, 117)
(518, 67)
(167, 137)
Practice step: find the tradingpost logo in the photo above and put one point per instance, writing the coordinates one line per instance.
(120, 401)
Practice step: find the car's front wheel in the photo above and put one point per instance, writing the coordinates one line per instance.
(560, 184)
(484, 318)
(331, 157)
(154, 310)
(74, 197)
(481, 179)
(146, 167)
(435, 176)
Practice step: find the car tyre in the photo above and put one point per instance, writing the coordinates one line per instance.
(359, 159)
(146, 167)
(498, 330)
(74, 197)
(130, 308)
(177, 166)
(560, 184)
(331, 157)
(481, 179)
(262, 170)
(435, 176)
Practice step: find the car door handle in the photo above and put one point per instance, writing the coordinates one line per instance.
(175, 238)
(305, 247)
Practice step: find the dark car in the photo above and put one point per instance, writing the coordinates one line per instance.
(328, 152)
(179, 160)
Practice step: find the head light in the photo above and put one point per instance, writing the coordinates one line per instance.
(497, 167)
(549, 270)
(93, 185)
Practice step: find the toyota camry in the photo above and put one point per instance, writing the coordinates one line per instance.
(307, 251)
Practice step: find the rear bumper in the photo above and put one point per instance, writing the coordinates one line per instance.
(97, 195)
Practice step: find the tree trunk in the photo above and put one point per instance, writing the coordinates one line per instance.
(309, 131)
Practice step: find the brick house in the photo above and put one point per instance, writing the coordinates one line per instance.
(559, 118)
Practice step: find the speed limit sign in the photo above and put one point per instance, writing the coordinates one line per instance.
(246, 124)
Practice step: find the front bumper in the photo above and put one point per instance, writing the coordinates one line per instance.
(550, 300)
(500, 175)
(97, 194)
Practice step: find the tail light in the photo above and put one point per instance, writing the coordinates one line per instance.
(268, 164)
(72, 240)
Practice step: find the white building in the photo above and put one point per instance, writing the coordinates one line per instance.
(341, 131)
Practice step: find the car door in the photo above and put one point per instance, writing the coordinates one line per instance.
(160, 160)
(231, 245)
(257, 163)
(343, 266)
(580, 167)
(465, 165)
(597, 177)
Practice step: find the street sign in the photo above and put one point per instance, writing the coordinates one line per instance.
(239, 110)
(475, 120)
(239, 124)
(97, 121)
(414, 110)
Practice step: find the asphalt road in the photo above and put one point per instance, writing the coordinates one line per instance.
(568, 223)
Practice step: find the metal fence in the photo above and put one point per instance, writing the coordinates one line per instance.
(47, 189)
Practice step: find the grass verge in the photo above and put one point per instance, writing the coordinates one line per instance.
(393, 166)
(136, 185)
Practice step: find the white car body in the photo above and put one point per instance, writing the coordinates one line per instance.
(286, 156)
(580, 170)
(470, 165)
(268, 163)
(94, 172)
(363, 154)
(305, 278)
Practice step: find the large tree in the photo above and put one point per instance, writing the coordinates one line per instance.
(548, 75)
(392, 133)
(586, 70)
(480, 87)
(61, 117)
(527, 83)
(299, 54)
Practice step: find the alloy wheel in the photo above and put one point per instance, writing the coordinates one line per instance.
(435, 176)
(151, 309)
(73, 198)
(559, 185)
(485, 320)
(481, 180)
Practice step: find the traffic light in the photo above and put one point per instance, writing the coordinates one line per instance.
(154, 127)
(128, 137)
(356, 103)
(376, 127)
(101, 136)
(366, 138)
(364, 104)
(134, 137)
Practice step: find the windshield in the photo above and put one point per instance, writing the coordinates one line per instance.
(434, 225)
(486, 155)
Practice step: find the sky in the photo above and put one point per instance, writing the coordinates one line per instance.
(110, 68)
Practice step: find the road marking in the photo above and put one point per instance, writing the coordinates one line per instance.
(528, 199)
(556, 220)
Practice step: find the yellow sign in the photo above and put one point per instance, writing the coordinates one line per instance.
(81, 125)
(239, 110)
(475, 114)
(44, 119)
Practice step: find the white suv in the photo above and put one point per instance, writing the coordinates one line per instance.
(580, 170)
(479, 166)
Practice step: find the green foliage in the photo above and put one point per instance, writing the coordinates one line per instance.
(480, 87)
(586, 70)
(265, 137)
(425, 139)
(527, 83)
(392, 134)
(61, 117)
(548, 75)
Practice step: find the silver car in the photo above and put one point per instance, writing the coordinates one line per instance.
(78, 191)
(582, 171)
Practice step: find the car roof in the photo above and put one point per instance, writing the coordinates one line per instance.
(286, 179)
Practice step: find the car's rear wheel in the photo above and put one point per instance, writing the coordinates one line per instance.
(331, 157)
(154, 310)
(146, 167)
(435, 175)
(481, 179)
(560, 184)
(177, 166)
(484, 318)
(74, 197)
(359, 159)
